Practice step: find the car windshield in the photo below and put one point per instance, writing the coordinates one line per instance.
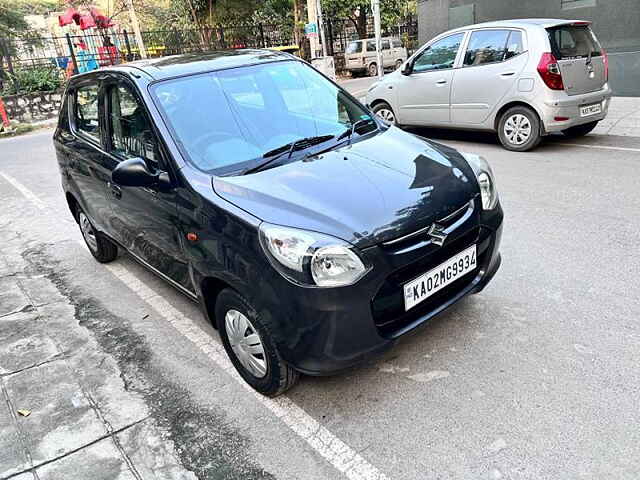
(354, 47)
(225, 121)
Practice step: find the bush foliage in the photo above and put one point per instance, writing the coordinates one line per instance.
(32, 80)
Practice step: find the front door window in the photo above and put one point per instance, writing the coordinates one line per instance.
(439, 56)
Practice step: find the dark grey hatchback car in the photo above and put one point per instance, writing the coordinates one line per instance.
(312, 235)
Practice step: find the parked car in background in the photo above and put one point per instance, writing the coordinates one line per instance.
(360, 55)
(312, 235)
(522, 78)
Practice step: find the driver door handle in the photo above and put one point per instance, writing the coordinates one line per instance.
(441, 82)
(507, 74)
(116, 191)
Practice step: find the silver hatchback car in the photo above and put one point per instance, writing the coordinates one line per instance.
(522, 78)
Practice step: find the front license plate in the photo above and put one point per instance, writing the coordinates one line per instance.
(590, 109)
(427, 284)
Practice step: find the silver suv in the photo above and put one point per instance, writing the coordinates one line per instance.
(360, 55)
(522, 78)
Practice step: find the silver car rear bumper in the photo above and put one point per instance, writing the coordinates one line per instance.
(569, 107)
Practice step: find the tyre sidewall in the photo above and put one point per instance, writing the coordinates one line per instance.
(106, 250)
(270, 383)
(385, 105)
(535, 137)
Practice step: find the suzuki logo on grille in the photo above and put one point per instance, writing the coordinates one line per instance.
(437, 234)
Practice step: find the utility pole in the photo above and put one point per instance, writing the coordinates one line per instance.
(313, 21)
(375, 7)
(321, 28)
(136, 29)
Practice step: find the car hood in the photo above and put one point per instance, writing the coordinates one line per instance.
(371, 191)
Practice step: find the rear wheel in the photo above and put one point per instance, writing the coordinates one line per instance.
(385, 113)
(373, 70)
(398, 63)
(580, 130)
(519, 129)
(102, 249)
(250, 346)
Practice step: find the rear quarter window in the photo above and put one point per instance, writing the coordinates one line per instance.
(573, 41)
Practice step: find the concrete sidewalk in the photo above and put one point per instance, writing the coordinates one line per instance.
(65, 412)
(623, 118)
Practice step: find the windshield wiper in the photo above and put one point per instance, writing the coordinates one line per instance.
(288, 150)
(349, 133)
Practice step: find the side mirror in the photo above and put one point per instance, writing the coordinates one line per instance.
(134, 173)
(407, 68)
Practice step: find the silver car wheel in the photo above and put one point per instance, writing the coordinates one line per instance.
(517, 129)
(386, 116)
(246, 343)
(88, 232)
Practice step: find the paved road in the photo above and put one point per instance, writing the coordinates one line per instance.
(535, 378)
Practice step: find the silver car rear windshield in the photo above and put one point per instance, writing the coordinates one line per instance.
(573, 41)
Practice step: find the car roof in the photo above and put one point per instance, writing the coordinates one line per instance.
(192, 63)
(522, 23)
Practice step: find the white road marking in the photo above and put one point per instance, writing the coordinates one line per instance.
(603, 147)
(340, 455)
(24, 190)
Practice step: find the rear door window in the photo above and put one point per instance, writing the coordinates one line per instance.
(371, 45)
(573, 41)
(385, 45)
(354, 47)
(397, 43)
(86, 112)
(514, 44)
(486, 46)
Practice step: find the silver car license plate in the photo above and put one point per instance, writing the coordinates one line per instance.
(590, 109)
(437, 278)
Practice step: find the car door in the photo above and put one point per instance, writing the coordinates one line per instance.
(492, 62)
(144, 219)
(83, 146)
(423, 94)
(387, 53)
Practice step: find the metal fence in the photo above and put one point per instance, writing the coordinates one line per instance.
(63, 56)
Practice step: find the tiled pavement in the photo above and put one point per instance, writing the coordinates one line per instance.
(83, 423)
(623, 118)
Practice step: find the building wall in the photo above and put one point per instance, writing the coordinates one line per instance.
(615, 22)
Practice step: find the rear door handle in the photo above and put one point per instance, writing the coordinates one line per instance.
(441, 82)
(507, 74)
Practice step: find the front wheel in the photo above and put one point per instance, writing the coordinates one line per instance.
(102, 249)
(519, 129)
(250, 346)
(385, 113)
(580, 130)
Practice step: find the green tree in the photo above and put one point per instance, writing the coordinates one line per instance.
(12, 13)
(357, 12)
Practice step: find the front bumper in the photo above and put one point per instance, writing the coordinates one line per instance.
(324, 331)
(569, 107)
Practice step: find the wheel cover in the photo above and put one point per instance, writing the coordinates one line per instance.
(517, 129)
(87, 232)
(246, 343)
(373, 69)
(386, 115)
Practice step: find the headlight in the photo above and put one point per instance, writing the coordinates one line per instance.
(310, 258)
(485, 178)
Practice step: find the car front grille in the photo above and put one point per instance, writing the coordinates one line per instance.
(414, 255)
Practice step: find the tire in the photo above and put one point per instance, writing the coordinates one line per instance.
(399, 63)
(519, 129)
(102, 249)
(372, 70)
(579, 130)
(385, 113)
(265, 371)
